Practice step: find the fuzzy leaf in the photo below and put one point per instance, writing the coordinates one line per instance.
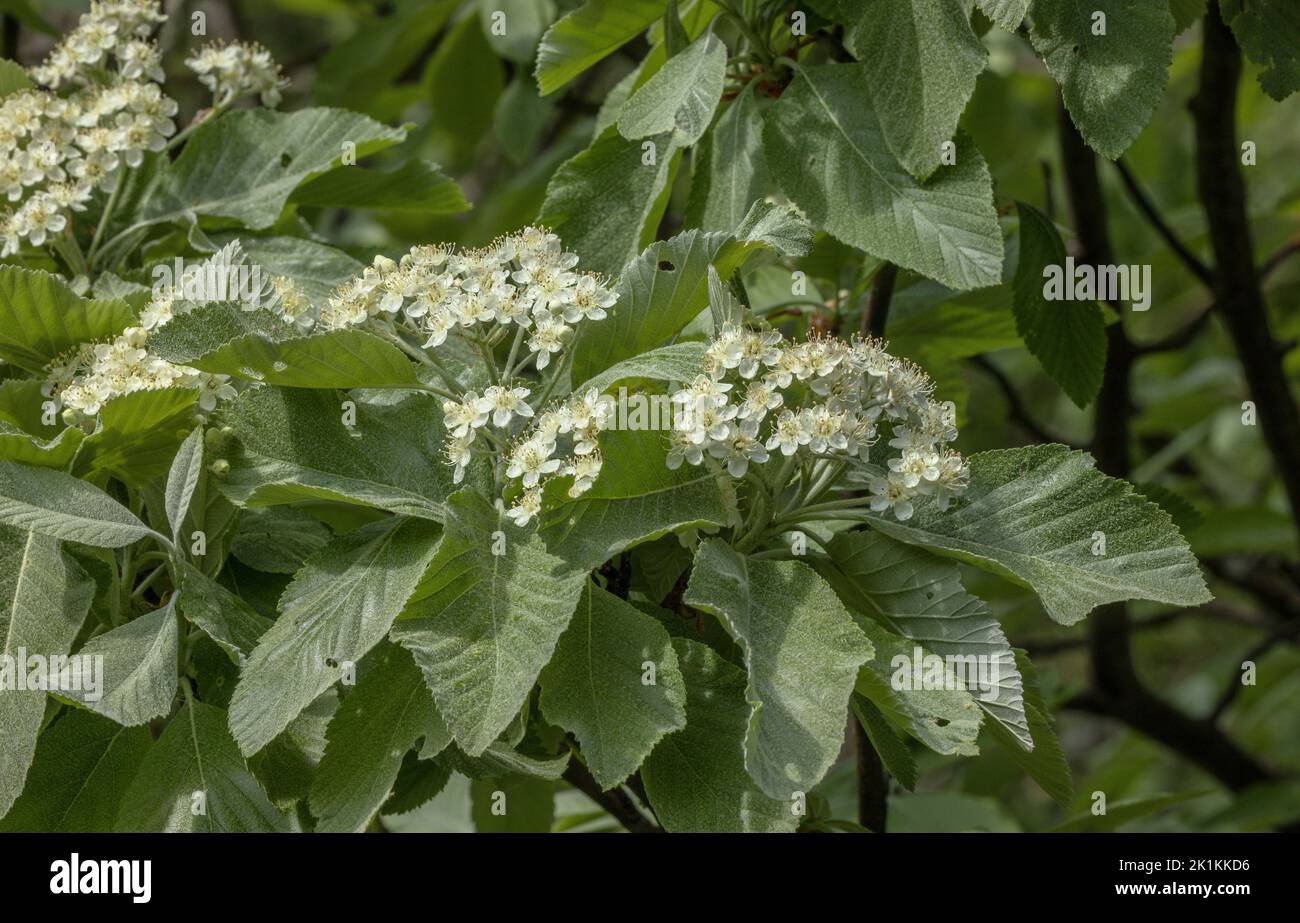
(339, 606)
(139, 668)
(41, 317)
(696, 777)
(827, 149)
(681, 96)
(182, 480)
(594, 685)
(44, 597)
(921, 58)
(196, 761)
(482, 625)
(1030, 516)
(1111, 82)
(802, 650)
(56, 504)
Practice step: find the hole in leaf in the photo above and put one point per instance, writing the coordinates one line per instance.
(941, 722)
(666, 265)
(285, 160)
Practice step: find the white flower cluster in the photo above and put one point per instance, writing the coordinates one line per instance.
(82, 381)
(236, 70)
(562, 442)
(57, 149)
(525, 280)
(826, 397)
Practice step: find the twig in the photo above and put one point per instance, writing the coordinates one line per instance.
(1237, 282)
(1180, 338)
(876, 314)
(1288, 249)
(873, 783)
(1015, 406)
(615, 801)
(1278, 634)
(1152, 214)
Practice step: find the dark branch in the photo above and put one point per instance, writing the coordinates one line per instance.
(615, 801)
(1287, 250)
(1180, 338)
(1015, 406)
(1237, 287)
(1152, 214)
(876, 313)
(873, 784)
(1117, 691)
(1279, 633)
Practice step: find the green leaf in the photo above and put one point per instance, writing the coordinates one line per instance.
(1186, 13)
(586, 35)
(13, 77)
(82, 767)
(605, 202)
(514, 804)
(1046, 763)
(1008, 14)
(195, 764)
(316, 267)
(636, 499)
(921, 60)
(1111, 82)
(729, 171)
(57, 504)
(277, 540)
(418, 781)
(1067, 337)
(1031, 514)
(891, 748)
(678, 362)
(182, 480)
(696, 777)
(245, 164)
(463, 82)
(658, 294)
(802, 650)
(138, 435)
(1124, 812)
(681, 96)
(44, 597)
(25, 436)
(223, 338)
(595, 685)
(416, 185)
(1269, 34)
(827, 149)
(41, 317)
(482, 625)
(339, 606)
(139, 678)
(945, 720)
(378, 722)
(287, 766)
(500, 760)
(227, 619)
(523, 25)
(294, 446)
(919, 596)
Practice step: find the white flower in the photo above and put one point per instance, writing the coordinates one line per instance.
(467, 414)
(789, 433)
(531, 460)
(526, 507)
(740, 448)
(459, 454)
(892, 493)
(504, 403)
(585, 469)
(211, 389)
(547, 339)
(682, 449)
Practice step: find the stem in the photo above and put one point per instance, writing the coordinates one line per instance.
(104, 218)
(514, 351)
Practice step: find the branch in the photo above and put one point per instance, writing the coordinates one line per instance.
(1179, 338)
(1279, 633)
(1288, 249)
(1117, 691)
(1237, 282)
(873, 784)
(1148, 209)
(876, 314)
(1015, 407)
(615, 801)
